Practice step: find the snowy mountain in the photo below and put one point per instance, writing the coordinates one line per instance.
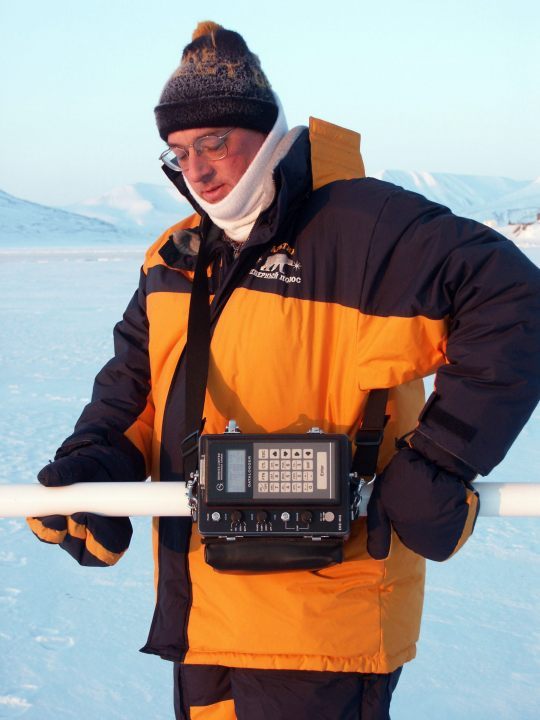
(28, 224)
(140, 207)
(519, 206)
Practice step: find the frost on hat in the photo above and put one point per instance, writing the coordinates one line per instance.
(218, 83)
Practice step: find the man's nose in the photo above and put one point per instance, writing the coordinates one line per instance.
(200, 170)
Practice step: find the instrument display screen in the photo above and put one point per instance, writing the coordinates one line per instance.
(236, 471)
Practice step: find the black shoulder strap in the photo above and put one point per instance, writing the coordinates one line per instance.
(370, 434)
(202, 316)
(197, 356)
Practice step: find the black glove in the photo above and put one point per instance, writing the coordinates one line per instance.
(93, 458)
(94, 540)
(91, 539)
(432, 510)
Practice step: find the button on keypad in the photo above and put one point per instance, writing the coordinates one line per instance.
(290, 470)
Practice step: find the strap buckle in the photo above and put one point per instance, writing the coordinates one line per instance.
(369, 437)
(190, 444)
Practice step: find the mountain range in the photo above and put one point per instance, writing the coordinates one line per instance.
(140, 207)
(28, 224)
(138, 213)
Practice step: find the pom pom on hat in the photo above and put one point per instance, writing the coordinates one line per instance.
(206, 27)
(219, 83)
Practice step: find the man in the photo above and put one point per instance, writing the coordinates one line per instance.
(352, 285)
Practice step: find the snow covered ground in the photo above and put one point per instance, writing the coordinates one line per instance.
(69, 636)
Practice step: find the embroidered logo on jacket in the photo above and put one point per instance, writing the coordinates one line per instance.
(279, 265)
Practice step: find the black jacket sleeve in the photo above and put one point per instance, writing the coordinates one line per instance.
(425, 261)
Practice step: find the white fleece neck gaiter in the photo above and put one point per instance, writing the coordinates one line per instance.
(254, 192)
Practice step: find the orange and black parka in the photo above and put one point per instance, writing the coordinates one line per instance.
(359, 285)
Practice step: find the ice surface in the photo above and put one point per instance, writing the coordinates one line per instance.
(69, 635)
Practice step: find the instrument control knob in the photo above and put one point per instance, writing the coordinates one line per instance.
(285, 516)
(306, 517)
(329, 516)
(261, 516)
(236, 516)
(216, 516)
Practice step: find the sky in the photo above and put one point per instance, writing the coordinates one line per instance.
(439, 86)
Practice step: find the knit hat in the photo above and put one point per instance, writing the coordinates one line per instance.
(219, 83)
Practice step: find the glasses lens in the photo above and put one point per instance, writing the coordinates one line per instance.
(172, 160)
(211, 147)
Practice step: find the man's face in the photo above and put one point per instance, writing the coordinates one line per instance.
(214, 180)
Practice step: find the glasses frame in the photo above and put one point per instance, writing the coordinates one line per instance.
(196, 145)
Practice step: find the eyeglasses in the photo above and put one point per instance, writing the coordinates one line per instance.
(210, 147)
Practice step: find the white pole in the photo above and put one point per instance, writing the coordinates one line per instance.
(107, 498)
(169, 498)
